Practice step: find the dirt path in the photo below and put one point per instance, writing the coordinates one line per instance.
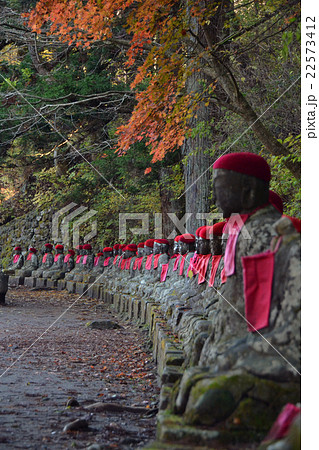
(71, 361)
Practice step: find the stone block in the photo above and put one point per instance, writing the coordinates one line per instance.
(30, 282)
(61, 285)
(41, 283)
(15, 281)
(70, 286)
(52, 284)
(81, 288)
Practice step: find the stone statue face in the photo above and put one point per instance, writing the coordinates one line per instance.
(148, 251)
(183, 248)
(115, 252)
(128, 254)
(160, 248)
(202, 246)
(175, 247)
(107, 254)
(59, 250)
(238, 193)
(140, 252)
(157, 248)
(216, 245)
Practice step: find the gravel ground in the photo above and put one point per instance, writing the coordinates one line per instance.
(41, 371)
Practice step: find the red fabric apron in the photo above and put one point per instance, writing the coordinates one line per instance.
(122, 264)
(223, 277)
(233, 228)
(85, 257)
(56, 257)
(164, 272)
(29, 256)
(115, 259)
(258, 272)
(78, 259)
(202, 269)
(148, 264)
(128, 263)
(96, 260)
(106, 261)
(192, 262)
(215, 263)
(156, 258)
(182, 264)
(66, 258)
(16, 258)
(44, 258)
(138, 263)
(176, 262)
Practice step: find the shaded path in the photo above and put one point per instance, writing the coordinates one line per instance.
(71, 361)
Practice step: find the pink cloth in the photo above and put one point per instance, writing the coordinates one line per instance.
(66, 258)
(138, 263)
(283, 422)
(164, 272)
(192, 262)
(57, 257)
(223, 277)
(78, 259)
(29, 256)
(233, 228)
(202, 269)
(16, 258)
(122, 263)
(148, 264)
(96, 260)
(258, 272)
(85, 258)
(176, 262)
(44, 257)
(181, 266)
(106, 261)
(215, 263)
(128, 263)
(156, 258)
(115, 259)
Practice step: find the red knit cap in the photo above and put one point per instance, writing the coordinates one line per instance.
(131, 247)
(18, 249)
(217, 229)
(71, 252)
(296, 223)
(276, 201)
(100, 254)
(116, 246)
(187, 238)
(162, 241)
(140, 245)
(32, 250)
(176, 239)
(122, 246)
(246, 163)
(204, 232)
(59, 247)
(50, 246)
(87, 247)
(107, 249)
(198, 230)
(79, 247)
(149, 243)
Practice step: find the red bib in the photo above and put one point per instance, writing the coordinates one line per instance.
(67, 257)
(96, 260)
(156, 258)
(85, 257)
(106, 261)
(44, 257)
(176, 262)
(164, 272)
(16, 258)
(215, 263)
(148, 264)
(258, 272)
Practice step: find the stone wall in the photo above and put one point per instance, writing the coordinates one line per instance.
(32, 229)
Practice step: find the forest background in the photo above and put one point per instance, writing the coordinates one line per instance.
(123, 106)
